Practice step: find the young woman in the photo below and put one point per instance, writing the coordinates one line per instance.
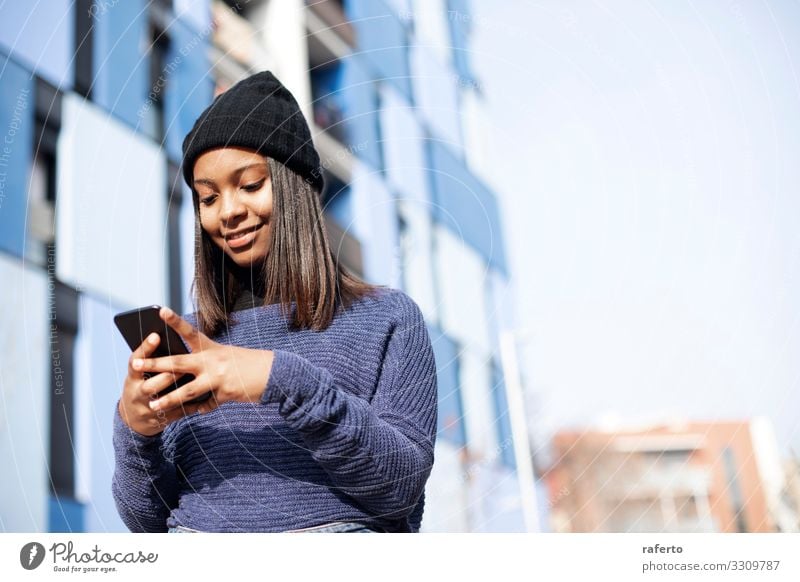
(322, 407)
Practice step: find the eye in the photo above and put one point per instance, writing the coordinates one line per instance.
(207, 200)
(255, 186)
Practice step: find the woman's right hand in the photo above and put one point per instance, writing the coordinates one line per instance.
(134, 404)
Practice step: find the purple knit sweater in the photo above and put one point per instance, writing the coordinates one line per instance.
(345, 431)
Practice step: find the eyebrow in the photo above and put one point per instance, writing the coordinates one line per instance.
(235, 174)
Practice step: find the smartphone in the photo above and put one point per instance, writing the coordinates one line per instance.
(135, 325)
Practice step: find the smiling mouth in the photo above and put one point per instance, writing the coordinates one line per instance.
(244, 238)
(243, 233)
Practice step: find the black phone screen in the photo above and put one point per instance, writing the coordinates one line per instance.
(135, 325)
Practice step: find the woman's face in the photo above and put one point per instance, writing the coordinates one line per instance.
(235, 198)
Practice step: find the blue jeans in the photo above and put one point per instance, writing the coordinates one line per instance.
(335, 527)
(181, 529)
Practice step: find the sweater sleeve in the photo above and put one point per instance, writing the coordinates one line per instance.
(381, 452)
(144, 485)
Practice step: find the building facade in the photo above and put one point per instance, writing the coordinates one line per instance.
(697, 477)
(95, 218)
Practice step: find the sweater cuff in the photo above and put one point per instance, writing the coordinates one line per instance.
(289, 374)
(298, 387)
(128, 437)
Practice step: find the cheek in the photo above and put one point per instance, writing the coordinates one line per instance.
(207, 221)
(265, 202)
(265, 206)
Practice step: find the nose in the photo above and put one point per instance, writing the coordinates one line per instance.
(233, 207)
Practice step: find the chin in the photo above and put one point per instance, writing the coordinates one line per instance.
(246, 261)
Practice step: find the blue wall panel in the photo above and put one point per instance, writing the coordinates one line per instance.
(16, 152)
(465, 205)
(102, 361)
(503, 418)
(460, 21)
(358, 97)
(65, 515)
(451, 408)
(196, 13)
(121, 61)
(189, 84)
(381, 40)
(41, 36)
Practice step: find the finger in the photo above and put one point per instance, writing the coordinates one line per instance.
(181, 363)
(190, 334)
(152, 386)
(144, 349)
(211, 403)
(208, 405)
(177, 398)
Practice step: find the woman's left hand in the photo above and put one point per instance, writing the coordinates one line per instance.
(230, 373)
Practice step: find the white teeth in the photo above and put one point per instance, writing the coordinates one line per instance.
(235, 236)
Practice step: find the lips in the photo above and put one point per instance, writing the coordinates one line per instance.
(240, 233)
(242, 237)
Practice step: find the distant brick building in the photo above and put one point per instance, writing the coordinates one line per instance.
(690, 477)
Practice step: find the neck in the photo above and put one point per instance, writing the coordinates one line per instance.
(249, 278)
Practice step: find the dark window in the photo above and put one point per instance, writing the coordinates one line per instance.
(406, 248)
(336, 199)
(84, 45)
(62, 333)
(42, 191)
(327, 100)
(159, 48)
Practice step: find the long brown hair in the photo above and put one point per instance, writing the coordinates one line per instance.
(299, 268)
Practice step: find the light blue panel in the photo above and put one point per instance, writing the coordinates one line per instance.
(121, 63)
(502, 313)
(543, 505)
(24, 398)
(503, 419)
(16, 149)
(196, 13)
(41, 35)
(358, 99)
(461, 7)
(460, 274)
(111, 207)
(500, 508)
(101, 357)
(375, 225)
(436, 95)
(451, 426)
(189, 88)
(402, 9)
(381, 40)
(403, 147)
(460, 24)
(416, 247)
(187, 227)
(466, 206)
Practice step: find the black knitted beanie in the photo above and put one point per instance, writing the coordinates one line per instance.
(257, 113)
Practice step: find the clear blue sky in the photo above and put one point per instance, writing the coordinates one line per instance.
(648, 155)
